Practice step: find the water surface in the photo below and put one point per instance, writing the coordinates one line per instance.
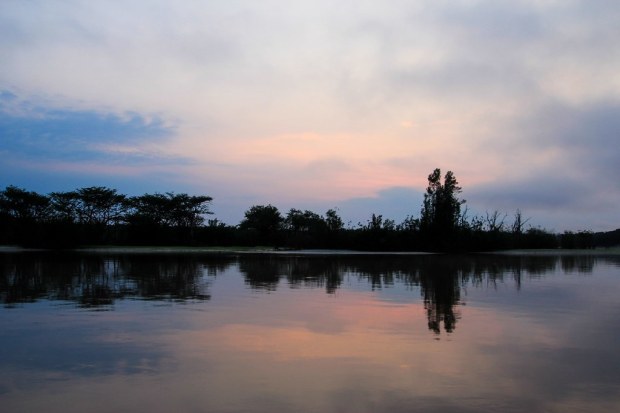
(265, 333)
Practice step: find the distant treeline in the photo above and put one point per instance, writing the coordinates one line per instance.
(102, 216)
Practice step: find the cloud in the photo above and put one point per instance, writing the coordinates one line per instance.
(588, 135)
(47, 135)
(553, 201)
(284, 102)
(560, 163)
(49, 149)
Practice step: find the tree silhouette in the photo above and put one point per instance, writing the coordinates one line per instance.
(98, 205)
(94, 215)
(153, 216)
(64, 207)
(441, 209)
(22, 205)
(263, 222)
(306, 221)
(23, 215)
(333, 221)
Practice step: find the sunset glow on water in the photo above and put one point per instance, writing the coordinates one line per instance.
(312, 334)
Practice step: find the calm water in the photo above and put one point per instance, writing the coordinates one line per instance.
(200, 333)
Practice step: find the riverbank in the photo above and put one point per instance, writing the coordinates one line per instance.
(279, 251)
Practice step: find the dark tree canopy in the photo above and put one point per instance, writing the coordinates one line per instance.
(99, 205)
(169, 210)
(23, 205)
(100, 215)
(333, 221)
(262, 218)
(304, 221)
(441, 210)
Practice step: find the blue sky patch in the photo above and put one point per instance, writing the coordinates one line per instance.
(37, 133)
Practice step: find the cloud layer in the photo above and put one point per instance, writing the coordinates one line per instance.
(322, 104)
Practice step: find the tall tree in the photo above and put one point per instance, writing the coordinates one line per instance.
(441, 209)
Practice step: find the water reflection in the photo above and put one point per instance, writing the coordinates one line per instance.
(266, 272)
(438, 278)
(96, 281)
(308, 333)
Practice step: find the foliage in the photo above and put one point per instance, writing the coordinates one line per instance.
(262, 225)
(579, 240)
(97, 215)
(441, 209)
(333, 220)
(262, 218)
(306, 221)
(100, 215)
(99, 205)
(168, 210)
(23, 205)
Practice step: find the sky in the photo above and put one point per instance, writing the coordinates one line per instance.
(319, 104)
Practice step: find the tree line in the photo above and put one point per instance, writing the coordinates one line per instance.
(98, 215)
(102, 216)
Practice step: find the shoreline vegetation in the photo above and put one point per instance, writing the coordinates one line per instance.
(239, 251)
(102, 217)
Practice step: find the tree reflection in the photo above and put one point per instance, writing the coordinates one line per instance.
(439, 279)
(262, 272)
(265, 272)
(578, 263)
(97, 281)
(315, 273)
(441, 293)
(174, 277)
